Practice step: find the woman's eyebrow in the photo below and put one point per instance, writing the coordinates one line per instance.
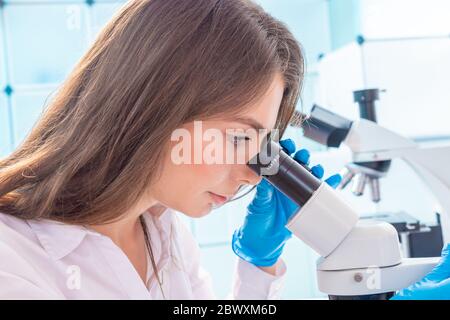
(249, 121)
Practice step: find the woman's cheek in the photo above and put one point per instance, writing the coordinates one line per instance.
(211, 174)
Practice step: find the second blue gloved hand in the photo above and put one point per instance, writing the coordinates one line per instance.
(263, 235)
(434, 286)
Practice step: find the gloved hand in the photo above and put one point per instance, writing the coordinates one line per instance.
(434, 286)
(263, 235)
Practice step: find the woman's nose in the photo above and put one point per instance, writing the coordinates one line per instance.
(248, 176)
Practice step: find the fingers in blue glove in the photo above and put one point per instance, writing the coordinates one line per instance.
(288, 146)
(302, 156)
(442, 270)
(334, 180)
(264, 193)
(435, 285)
(318, 171)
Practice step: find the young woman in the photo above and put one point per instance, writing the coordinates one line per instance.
(89, 201)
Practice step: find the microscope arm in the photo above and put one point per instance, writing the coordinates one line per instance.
(429, 163)
(371, 143)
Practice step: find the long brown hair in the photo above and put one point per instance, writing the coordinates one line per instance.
(156, 65)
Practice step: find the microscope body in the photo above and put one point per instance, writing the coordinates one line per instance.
(368, 264)
(360, 259)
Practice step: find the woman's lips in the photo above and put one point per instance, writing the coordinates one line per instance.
(218, 199)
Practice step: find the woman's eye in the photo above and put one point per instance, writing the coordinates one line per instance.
(238, 139)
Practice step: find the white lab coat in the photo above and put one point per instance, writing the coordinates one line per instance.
(51, 260)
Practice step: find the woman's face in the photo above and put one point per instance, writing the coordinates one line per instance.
(208, 158)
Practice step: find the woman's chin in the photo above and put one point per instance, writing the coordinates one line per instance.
(199, 211)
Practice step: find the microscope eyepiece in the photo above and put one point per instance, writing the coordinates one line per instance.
(286, 174)
(323, 219)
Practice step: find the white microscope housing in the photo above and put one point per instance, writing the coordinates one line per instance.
(362, 258)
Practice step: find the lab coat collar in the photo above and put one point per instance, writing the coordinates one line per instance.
(59, 239)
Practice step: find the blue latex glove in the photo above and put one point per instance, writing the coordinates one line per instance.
(434, 286)
(263, 235)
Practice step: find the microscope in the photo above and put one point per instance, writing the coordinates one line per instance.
(361, 259)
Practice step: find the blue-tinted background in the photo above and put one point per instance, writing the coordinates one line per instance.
(405, 49)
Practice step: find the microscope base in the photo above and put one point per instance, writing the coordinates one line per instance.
(374, 280)
(377, 296)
